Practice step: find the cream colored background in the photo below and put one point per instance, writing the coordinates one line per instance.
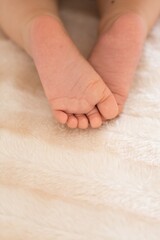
(62, 184)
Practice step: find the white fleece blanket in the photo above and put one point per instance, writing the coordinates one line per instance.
(62, 184)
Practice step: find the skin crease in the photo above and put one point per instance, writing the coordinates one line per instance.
(85, 94)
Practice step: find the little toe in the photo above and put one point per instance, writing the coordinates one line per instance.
(60, 116)
(72, 122)
(95, 118)
(82, 121)
(108, 106)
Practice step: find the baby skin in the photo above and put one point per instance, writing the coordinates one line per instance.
(81, 92)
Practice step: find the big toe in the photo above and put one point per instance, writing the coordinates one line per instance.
(95, 118)
(108, 106)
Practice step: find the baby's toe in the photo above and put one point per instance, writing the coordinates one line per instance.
(82, 121)
(72, 122)
(95, 118)
(60, 116)
(108, 106)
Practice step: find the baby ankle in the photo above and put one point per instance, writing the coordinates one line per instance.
(131, 17)
(29, 24)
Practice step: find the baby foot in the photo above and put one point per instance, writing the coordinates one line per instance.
(77, 94)
(117, 53)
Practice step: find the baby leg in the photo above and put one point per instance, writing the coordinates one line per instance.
(124, 26)
(77, 94)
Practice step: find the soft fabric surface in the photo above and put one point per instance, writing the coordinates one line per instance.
(62, 184)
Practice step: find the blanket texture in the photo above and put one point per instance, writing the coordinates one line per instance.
(62, 184)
